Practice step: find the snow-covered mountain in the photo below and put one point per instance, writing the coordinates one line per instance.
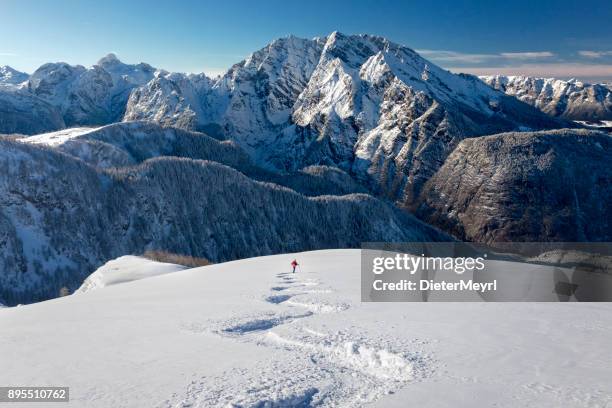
(251, 103)
(571, 99)
(171, 99)
(66, 209)
(89, 96)
(374, 108)
(11, 77)
(249, 334)
(525, 187)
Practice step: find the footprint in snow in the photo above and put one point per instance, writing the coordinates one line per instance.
(258, 323)
(314, 369)
(276, 299)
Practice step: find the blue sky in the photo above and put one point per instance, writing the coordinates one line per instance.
(538, 37)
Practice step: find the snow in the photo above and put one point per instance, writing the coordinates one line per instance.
(126, 269)
(571, 99)
(250, 333)
(598, 124)
(58, 138)
(10, 77)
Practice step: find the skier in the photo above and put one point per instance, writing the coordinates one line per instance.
(294, 264)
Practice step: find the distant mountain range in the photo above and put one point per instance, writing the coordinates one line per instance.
(572, 99)
(305, 144)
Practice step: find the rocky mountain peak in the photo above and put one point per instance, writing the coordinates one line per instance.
(109, 60)
(10, 76)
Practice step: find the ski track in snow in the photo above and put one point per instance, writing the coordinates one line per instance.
(325, 369)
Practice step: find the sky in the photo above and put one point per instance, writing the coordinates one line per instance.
(558, 38)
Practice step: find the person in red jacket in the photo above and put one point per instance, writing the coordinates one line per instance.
(294, 264)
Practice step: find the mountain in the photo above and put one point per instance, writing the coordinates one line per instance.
(524, 187)
(572, 99)
(61, 217)
(253, 99)
(171, 99)
(11, 77)
(248, 334)
(89, 96)
(374, 108)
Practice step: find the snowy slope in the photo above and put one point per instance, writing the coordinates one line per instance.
(126, 269)
(57, 138)
(251, 334)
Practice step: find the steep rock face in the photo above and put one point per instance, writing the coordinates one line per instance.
(93, 96)
(572, 99)
(61, 218)
(22, 112)
(256, 96)
(252, 103)
(533, 186)
(393, 117)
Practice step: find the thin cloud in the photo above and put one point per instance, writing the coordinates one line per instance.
(214, 72)
(453, 56)
(527, 55)
(558, 70)
(470, 58)
(595, 54)
(7, 54)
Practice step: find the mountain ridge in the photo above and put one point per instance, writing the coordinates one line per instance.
(572, 99)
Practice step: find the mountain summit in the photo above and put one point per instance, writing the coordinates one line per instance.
(10, 76)
(108, 60)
